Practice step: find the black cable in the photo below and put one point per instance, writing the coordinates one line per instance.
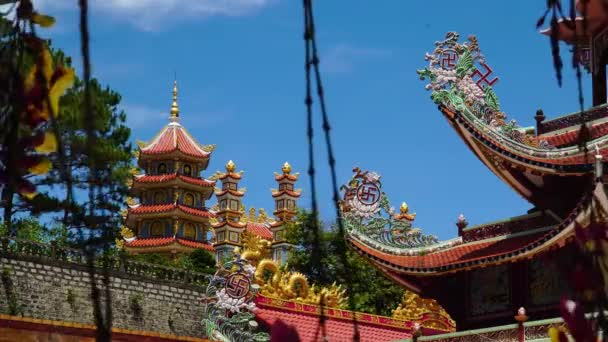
(313, 218)
(310, 34)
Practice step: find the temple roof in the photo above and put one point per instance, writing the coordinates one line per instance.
(172, 176)
(292, 193)
(167, 241)
(259, 229)
(174, 137)
(338, 324)
(456, 254)
(569, 31)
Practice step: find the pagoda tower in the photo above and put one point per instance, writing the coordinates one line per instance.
(169, 215)
(285, 198)
(228, 227)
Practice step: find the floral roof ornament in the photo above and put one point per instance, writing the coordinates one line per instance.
(228, 304)
(461, 80)
(366, 211)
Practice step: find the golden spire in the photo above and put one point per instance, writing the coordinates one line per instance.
(286, 168)
(404, 208)
(230, 166)
(174, 106)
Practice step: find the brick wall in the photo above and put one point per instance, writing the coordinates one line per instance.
(44, 288)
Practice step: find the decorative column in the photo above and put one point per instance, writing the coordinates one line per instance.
(521, 318)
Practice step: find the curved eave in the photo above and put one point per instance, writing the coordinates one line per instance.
(291, 177)
(485, 252)
(232, 192)
(204, 186)
(541, 181)
(289, 193)
(233, 224)
(167, 210)
(165, 245)
(174, 154)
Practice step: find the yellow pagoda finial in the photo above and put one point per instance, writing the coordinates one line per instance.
(174, 106)
(286, 168)
(404, 208)
(230, 166)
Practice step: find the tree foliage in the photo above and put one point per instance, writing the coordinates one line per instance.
(369, 289)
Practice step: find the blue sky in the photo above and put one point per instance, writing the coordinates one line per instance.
(239, 64)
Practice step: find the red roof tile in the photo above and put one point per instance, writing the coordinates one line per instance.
(288, 192)
(570, 137)
(161, 208)
(233, 192)
(165, 241)
(174, 137)
(172, 176)
(260, 229)
(233, 175)
(337, 330)
(465, 253)
(291, 177)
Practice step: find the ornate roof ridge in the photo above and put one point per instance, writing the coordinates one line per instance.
(536, 242)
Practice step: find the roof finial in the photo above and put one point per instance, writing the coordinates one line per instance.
(174, 106)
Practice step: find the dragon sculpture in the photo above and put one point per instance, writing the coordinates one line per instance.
(277, 282)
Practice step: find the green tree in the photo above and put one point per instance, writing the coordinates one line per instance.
(369, 289)
(105, 165)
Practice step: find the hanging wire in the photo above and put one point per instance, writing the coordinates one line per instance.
(103, 322)
(312, 59)
(313, 222)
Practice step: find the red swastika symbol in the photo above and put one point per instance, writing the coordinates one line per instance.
(368, 194)
(449, 58)
(237, 285)
(484, 77)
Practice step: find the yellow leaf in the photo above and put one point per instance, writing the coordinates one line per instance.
(42, 167)
(48, 145)
(30, 79)
(29, 195)
(47, 64)
(43, 20)
(62, 83)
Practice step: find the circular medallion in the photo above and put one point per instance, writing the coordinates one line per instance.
(368, 193)
(237, 285)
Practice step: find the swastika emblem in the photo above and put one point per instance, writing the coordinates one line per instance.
(484, 77)
(368, 193)
(237, 285)
(449, 58)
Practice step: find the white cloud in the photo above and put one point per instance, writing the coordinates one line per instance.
(154, 14)
(142, 116)
(343, 58)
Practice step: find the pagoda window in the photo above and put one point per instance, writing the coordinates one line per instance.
(282, 186)
(234, 236)
(189, 231)
(157, 229)
(289, 187)
(220, 237)
(290, 204)
(159, 197)
(187, 170)
(223, 204)
(280, 204)
(234, 205)
(189, 199)
(162, 168)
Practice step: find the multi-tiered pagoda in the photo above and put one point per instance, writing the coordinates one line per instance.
(170, 215)
(232, 221)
